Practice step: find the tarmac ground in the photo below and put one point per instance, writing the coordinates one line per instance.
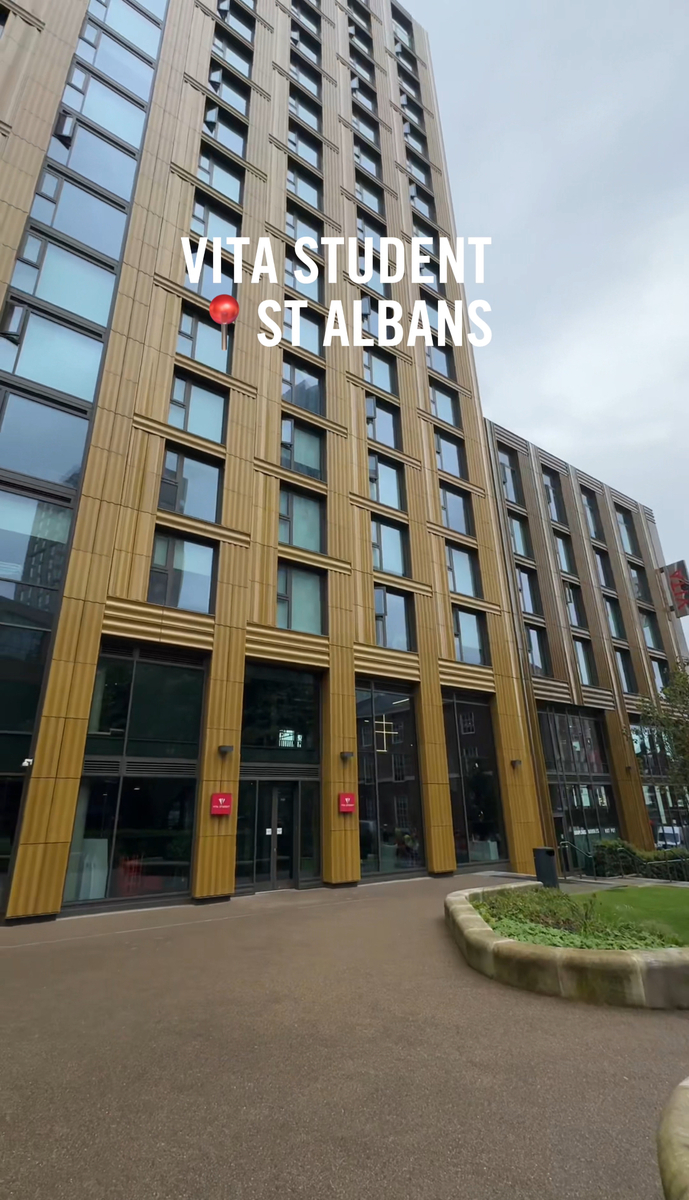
(321, 1044)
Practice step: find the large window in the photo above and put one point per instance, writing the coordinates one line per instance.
(123, 18)
(520, 536)
(380, 369)
(575, 606)
(390, 548)
(625, 670)
(445, 404)
(41, 440)
(580, 783)
(226, 177)
(305, 109)
(300, 599)
(303, 184)
(386, 482)
(92, 156)
(301, 520)
(280, 715)
(47, 352)
(189, 486)
(383, 422)
(310, 330)
(625, 524)
(450, 455)
(370, 194)
(509, 474)
(210, 220)
(471, 638)
(201, 340)
(306, 76)
(303, 385)
(143, 709)
(661, 673)
(585, 662)
(229, 89)
(197, 408)
(235, 55)
(299, 224)
(394, 619)
(206, 285)
(529, 592)
(113, 59)
(308, 148)
(390, 811)
(302, 449)
(312, 291)
(640, 584)
(604, 569)
(456, 510)
(474, 791)
(462, 570)
(33, 540)
(104, 106)
(181, 573)
(79, 214)
(537, 649)
(615, 622)
(650, 629)
(230, 134)
(64, 279)
(593, 520)
(565, 553)
(234, 15)
(554, 498)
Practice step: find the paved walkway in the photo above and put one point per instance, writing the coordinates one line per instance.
(326, 1044)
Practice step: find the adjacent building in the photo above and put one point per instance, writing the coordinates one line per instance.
(276, 575)
(596, 632)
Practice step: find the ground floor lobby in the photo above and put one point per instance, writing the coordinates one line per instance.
(314, 1043)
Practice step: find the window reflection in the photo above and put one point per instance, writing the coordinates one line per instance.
(474, 788)
(390, 813)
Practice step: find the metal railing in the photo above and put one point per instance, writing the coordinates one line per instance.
(577, 862)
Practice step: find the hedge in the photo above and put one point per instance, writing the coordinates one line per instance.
(621, 858)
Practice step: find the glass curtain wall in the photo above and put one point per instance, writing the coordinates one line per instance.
(474, 789)
(580, 783)
(390, 811)
(135, 813)
(667, 808)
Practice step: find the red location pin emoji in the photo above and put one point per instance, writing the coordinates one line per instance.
(224, 310)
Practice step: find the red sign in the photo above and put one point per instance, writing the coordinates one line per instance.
(676, 575)
(347, 802)
(221, 804)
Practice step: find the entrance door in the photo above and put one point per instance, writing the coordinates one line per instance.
(275, 834)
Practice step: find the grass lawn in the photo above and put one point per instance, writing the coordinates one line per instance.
(667, 907)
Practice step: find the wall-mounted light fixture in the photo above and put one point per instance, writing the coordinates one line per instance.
(346, 754)
(515, 762)
(225, 749)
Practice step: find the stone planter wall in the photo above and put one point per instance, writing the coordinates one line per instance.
(673, 1145)
(630, 978)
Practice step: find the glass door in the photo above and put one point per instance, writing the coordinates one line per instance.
(278, 833)
(275, 834)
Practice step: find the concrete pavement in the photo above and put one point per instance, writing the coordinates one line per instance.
(330, 1043)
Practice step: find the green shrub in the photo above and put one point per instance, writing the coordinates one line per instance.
(552, 918)
(621, 858)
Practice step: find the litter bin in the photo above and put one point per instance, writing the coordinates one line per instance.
(545, 860)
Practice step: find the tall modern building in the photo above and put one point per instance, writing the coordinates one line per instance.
(277, 574)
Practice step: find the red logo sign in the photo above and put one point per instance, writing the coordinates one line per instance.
(347, 802)
(221, 804)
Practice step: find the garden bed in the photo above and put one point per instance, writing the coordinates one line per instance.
(599, 921)
(645, 976)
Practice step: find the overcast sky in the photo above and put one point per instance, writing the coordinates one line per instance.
(567, 135)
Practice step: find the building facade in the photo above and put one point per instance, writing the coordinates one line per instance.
(596, 631)
(275, 574)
